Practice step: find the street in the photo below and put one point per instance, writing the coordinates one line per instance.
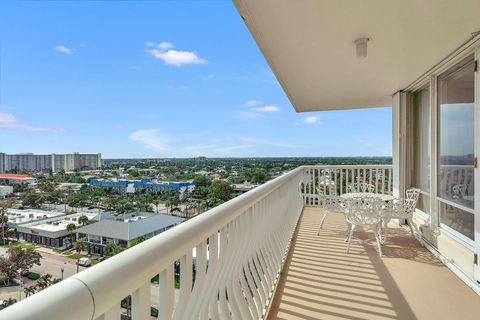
(53, 264)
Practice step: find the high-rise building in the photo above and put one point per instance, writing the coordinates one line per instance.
(28, 162)
(56, 162)
(76, 161)
(3, 160)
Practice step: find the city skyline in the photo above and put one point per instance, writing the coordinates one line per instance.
(94, 78)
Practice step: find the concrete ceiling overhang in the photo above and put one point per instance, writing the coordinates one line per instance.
(309, 45)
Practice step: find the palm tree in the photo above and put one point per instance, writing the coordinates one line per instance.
(70, 228)
(156, 203)
(30, 290)
(47, 278)
(3, 222)
(80, 246)
(83, 220)
(41, 284)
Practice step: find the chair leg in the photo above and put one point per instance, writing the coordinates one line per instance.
(349, 239)
(410, 224)
(377, 237)
(385, 226)
(323, 220)
(349, 227)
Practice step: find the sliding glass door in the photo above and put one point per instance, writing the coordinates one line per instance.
(456, 148)
(420, 146)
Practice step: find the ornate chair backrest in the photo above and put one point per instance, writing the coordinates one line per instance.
(332, 203)
(414, 194)
(361, 187)
(304, 181)
(402, 208)
(363, 211)
(458, 190)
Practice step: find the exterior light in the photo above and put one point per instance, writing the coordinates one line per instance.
(361, 47)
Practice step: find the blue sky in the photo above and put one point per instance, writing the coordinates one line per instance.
(157, 79)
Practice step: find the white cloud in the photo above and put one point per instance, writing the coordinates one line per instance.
(249, 115)
(233, 148)
(266, 109)
(268, 142)
(311, 120)
(172, 57)
(149, 44)
(179, 87)
(253, 103)
(165, 45)
(9, 121)
(151, 139)
(63, 49)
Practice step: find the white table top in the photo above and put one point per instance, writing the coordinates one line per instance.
(381, 196)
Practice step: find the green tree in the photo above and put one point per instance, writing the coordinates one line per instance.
(18, 261)
(32, 199)
(220, 190)
(156, 203)
(47, 278)
(138, 240)
(112, 249)
(30, 290)
(83, 220)
(80, 246)
(3, 222)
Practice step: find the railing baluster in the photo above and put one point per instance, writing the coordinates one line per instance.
(383, 182)
(112, 314)
(186, 274)
(390, 191)
(341, 181)
(166, 292)
(141, 302)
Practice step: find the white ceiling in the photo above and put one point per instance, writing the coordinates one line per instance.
(309, 45)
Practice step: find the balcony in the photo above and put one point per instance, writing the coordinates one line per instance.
(322, 281)
(258, 256)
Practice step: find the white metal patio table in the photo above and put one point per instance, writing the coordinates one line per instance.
(384, 197)
(381, 196)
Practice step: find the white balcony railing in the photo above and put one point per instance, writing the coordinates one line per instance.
(240, 248)
(336, 178)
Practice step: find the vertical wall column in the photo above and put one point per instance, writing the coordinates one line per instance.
(399, 125)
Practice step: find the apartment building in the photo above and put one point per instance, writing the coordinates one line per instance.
(76, 161)
(49, 162)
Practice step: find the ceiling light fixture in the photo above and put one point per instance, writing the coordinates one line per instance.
(361, 47)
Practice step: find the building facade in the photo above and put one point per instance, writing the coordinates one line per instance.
(147, 184)
(123, 229)
(30, 162)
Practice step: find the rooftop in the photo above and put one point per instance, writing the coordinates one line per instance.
(131, 228)
(15, 176)
(18, 216)
(60, 223)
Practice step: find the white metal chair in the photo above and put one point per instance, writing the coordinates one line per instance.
(361, 187)
(330, 203)
(402, 209)
(412, 193)
(364, 212)
(302, 185)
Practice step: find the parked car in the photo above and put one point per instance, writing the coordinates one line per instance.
(84, 262)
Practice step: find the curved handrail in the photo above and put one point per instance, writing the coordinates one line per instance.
(94, 291)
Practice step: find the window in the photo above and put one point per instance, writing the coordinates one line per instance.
(420, 102)
(456, 144)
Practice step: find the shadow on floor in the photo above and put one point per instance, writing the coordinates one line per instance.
(321, 281)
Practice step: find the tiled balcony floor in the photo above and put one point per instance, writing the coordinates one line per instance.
(321, 281)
